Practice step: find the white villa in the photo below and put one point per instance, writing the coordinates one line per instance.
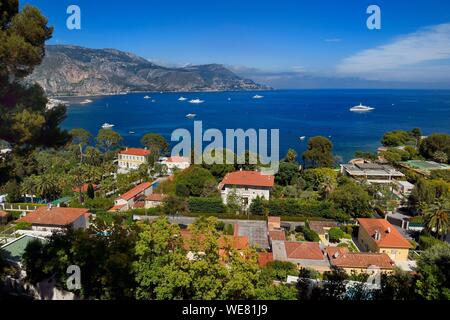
(131, 158)
(248, 185)
(372, 172)
(175, 163)
(48, 219)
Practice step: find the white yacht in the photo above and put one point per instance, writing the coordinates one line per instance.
(302, 138)
(147, 97)
(107, 125)
(196, 101)
(191, 115)
(361, 108)
(182, 99)
(87, 101)
(258, 96)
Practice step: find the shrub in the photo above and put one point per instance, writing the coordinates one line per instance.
(229, 229)
(310, 235)
(23, 225)
(335, 235)
(427, 241)
(206, 205)
(279, 270)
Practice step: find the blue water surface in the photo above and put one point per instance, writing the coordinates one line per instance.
(294, 112)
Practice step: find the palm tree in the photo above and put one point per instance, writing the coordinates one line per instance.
(436, 219)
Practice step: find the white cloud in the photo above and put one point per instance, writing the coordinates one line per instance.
(408, 55)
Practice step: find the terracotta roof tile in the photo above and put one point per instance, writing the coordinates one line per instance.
(3, 214)
(135, 191)
(84, 188)
(361, 260)
(264, 258)
(390, 236)
(247, 178)
(135, 152)
(303, 250)
(277, 235)
(56, 216)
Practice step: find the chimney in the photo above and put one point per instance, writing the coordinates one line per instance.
(336, 255)
(49, 207)
(389, 230)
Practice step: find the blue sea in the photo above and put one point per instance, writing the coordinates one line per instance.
(295, 113)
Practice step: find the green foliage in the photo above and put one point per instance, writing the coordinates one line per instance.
(197, 180)
(428, 192)
(156, 144)
(108, 140)
(305, 208)
(291, 156)
(288, 173)
(257, 206)
(353, 200)
(13, 190)
(279, 270)
(434, 267)
(104, 253)
(438, 142)
(440, 174)
(319, 153)
(206, 205)
(174, 205)
(228, 229)
(25, 123)
(397, 138)
(23, 225)
(336, 234)
(308, 233)
(427, 241)
(80, 136)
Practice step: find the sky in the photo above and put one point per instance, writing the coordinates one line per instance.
(285, 44)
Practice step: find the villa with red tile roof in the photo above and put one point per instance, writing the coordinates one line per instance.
(133, 198)
(361, 262)
(378, 235)
(302, 254)
(248, 185)
(84, 188)
(131, 158)
(49, 219)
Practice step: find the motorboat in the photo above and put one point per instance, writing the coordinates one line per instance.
(147, 97)
(191, 115)
(196, 101)
(107, 125)
(182, 99)
(303, 138)
(257, 96)
(361, 108)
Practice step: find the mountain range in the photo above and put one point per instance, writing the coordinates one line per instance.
(74, 70)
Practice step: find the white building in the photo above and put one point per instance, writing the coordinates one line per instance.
(404, 187)
(131, 158)
(372, 172)
(49, 219)
(248, 185)
(175, 163)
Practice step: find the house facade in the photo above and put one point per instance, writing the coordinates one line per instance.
(131, 159)
(50, 219)
(175, 163)
(379, 236)
(248, 185)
